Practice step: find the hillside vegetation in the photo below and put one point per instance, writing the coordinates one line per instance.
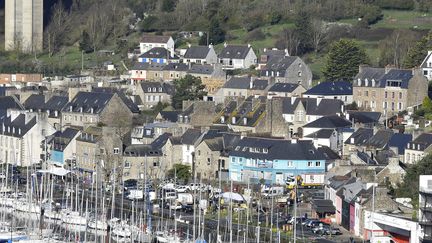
(386, 29)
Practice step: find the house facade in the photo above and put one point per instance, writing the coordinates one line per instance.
(274, 161)
(237, 57)
(426, 66)
(151, 93)
(148, 42)
(63, 147)
(200, 55)
(285, 90)
(158, 55)
(332, 90)
(288, 69)
(418, 148)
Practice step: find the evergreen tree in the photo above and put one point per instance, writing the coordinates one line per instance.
(187, 88)
(85, 43)
(216, 33)
(303, 29)
(343, 60)
(417, 53)
(168, 5)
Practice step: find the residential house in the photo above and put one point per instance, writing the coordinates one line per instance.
(212, 76)
(151, 93)
(149, 42)
(196, 114)
(274, 160)
(418, 148)
(189, 140)
(16, 78)
(392, 174)
(268, 54)
(158, 55)
(21, 136)
(49, 105)
(167, 116)
(237, 57)
(9, 103)
(389, 90)
(245, 87)
(141, 161)
(285, 90)
(149, 132)
(146, 71)
(288, 69)
(62, 146)
(341, 90)
(300, 111)
(367, 119)
(331, 186)
(347, 195)
(398, 142)
(426, 66)
(98, 149)
(87, 108)
(200, 55)
(357, 139)
(173, 71)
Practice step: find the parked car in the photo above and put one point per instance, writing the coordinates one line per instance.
(297, 220)
(333, 231)
(307, 221)
(319, 230)
(316, 223)
(182, 189)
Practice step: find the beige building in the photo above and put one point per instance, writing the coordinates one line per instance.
(418, 148)
(141, 161)
(24, 25)
(389, 90)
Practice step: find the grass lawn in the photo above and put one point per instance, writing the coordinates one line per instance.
(397, 19)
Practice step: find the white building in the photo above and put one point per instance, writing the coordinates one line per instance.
(200, 55)
(418, 148)
(21, 137)
(427, 66)
(425, 205)
(237, 57)
(149, 42)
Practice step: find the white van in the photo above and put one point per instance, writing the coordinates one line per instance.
(272, 191)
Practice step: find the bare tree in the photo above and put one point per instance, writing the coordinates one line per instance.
(289, 40)
(57, 29)
(319, 33)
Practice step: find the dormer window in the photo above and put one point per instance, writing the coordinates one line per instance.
(160, 89)
(149, 89)
(154, 89)
(265, 150)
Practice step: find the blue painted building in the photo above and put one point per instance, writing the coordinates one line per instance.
(274, 160)
(62, 144)
(158, 55)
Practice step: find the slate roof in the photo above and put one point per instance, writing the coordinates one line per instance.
(166, 88)
(180, 67)
(8, 102)
(360, 136)
(283, 87)
(19, 124)
(326, 107)
(351, 190)
(333, 121)
(190, 136)
(56, 103)
(61, 139)
(323, 206)
(158, 52)
(88, 101)
(365, 117)
(328, 153)
(201, 69)
(244, 83)
(381, 78)
(322, 133)
(155, 39)
(141, 150)
(160, 141)
(215, 144)
(126, 100)
(380, 140)
(338, 181)
(140, 66)
(279, 64)
(234, 52)
(148, 66)
(424, 140)
(400, 141)
(331, 88)
(270, 53)
(171, 116)
(197, 52)
(35, 102)
(276, 149)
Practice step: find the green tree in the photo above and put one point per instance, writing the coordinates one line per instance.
(180, 172)
(216, 33)
(168, 5)
(303, 30)
(410, 183)
(148, 24)
(187, 88)
(85, 43)
(418, 52)
(343, 60)
(427, 105)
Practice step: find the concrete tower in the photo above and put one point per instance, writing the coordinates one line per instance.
(24, 25)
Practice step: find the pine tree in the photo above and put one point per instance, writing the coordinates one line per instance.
(216, 33)
(85, 42)
(343, 60)
(303, 29)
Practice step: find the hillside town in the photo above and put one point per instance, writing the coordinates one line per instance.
(240, 138)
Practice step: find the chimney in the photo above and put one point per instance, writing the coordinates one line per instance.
(318, 100)
(249, 46)
(286, 53)
(388, 68)
(361, 67)
(245, 121)
(233, 120)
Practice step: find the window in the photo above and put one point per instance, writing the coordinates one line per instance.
(187, 147)
(290, 164)
(155, 163)
(310, 164)
(385, 94)
(265, 150)
(127, 164)
(400, 106)
(400, 95)
(126, 174)
(233, 159)
(223, 163)
(373, 93)
(425, 72)
(199, 152)
(393, 95)
(208, 161)
(366, 93)
(65, 118)
(318, 163)
(393, 106)
(299, 73)
(116, 151)
(384, 105)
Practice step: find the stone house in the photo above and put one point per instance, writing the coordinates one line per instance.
(389, 91)
(189, 140)
(173, 71)
(269, 54)
(148, 42)
(288, 69)
(245, 87)
(196, 114)
(237, 57)
(393, 173)
(143, 161)
(47, 105)
(91, 108)
(426, 66)
(212, 76)
(285, 90)
(146, 71)
(151, 93)
(418, 148)
(200, 55)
